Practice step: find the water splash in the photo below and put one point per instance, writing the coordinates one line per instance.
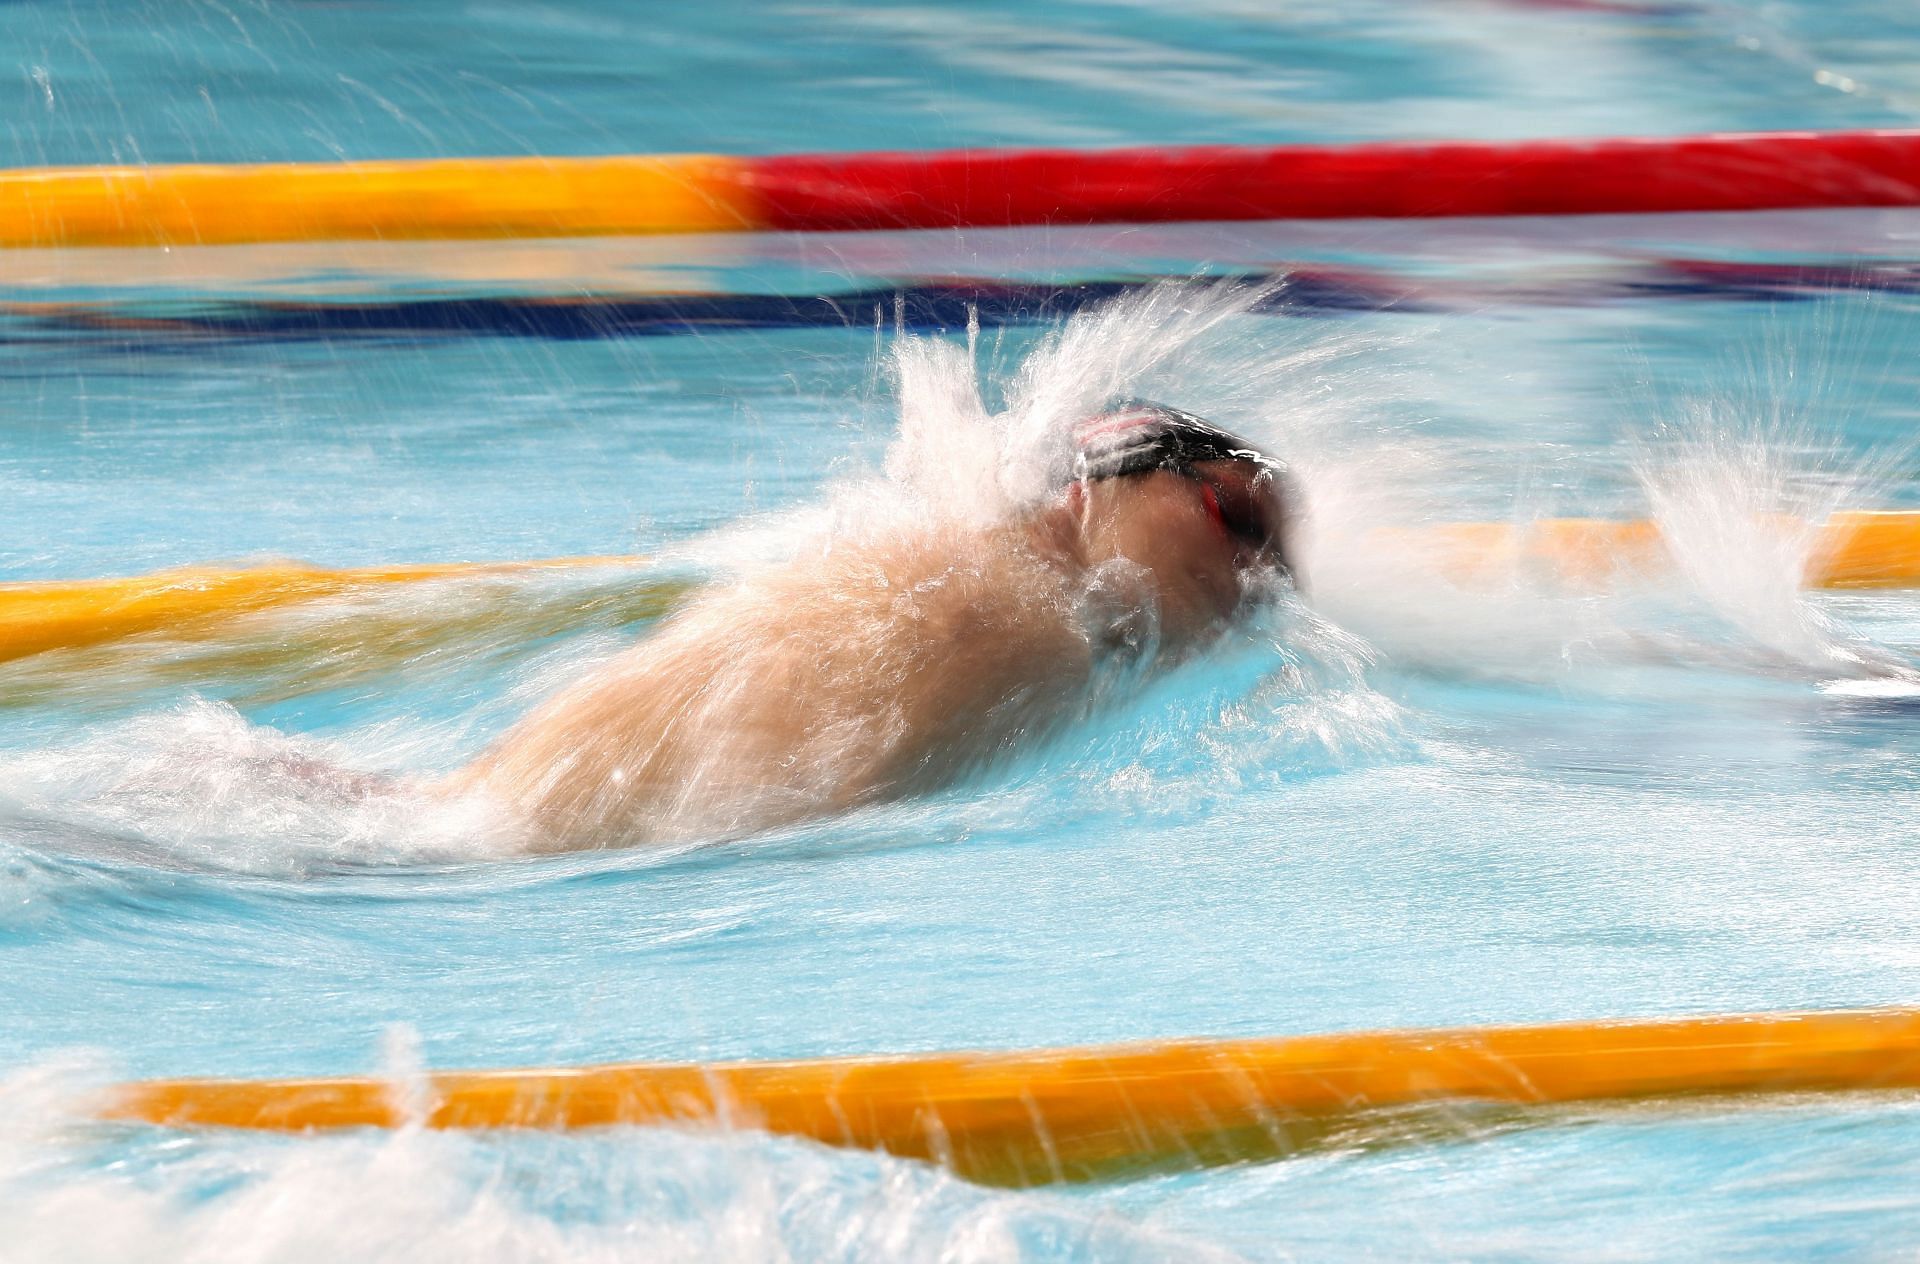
(1741, 525)
(1738, 511)
(197, 786)
(76, 1192)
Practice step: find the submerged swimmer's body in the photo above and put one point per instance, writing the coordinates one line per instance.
(871, 671)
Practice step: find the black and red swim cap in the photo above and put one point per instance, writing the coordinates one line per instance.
(1140, 437)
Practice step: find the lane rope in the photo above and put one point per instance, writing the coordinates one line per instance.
(921, 305)
(464, 198)
(196, 601)
(1033, 1117)
(460, 198)
(1851, 550)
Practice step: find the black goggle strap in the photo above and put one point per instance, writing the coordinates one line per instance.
(1140, 437)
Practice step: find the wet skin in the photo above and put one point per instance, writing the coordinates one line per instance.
(879, 668)
(1192, 534)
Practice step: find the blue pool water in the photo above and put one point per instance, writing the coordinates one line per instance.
(1412, 803)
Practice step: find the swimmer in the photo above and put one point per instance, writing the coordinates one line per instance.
(872, 671)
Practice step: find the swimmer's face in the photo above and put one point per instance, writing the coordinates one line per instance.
(1202, 538)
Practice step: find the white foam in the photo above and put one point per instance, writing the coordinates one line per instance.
(77, 1193)
(1879, 688)
(197, 784)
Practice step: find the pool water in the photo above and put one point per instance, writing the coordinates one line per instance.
(1404, 801)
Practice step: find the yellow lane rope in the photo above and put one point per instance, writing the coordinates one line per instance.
(194, 600)
(1029, 1117)
(435, 198)
(1851, 550)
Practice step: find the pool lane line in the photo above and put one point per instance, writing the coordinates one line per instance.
(198, 601)
(1850, 550)
(689, 264)
(465, 198)
(451, 198)
(915, 305)
(1031, 1117)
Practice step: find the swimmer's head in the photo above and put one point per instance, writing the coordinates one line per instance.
(1202, 509)
(1249, 492)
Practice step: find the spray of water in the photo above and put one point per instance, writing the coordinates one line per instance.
(201, 786)
(198, 786)
(1307, 689)
(76, 1192)
(1742, 525)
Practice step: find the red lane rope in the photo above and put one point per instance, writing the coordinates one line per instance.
(998, 188)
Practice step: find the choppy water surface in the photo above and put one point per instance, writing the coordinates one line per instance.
(1411, 800)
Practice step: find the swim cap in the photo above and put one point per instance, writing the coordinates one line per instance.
(1138, 436)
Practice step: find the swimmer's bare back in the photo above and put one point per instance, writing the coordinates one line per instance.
(875, 668)
(859, 674)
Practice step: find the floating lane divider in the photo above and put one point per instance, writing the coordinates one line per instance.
(918, 305)
(1851, 550)
(712, 193)
(196, 600)
(1854, 550)
(1033, 1117)
(206, 204)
